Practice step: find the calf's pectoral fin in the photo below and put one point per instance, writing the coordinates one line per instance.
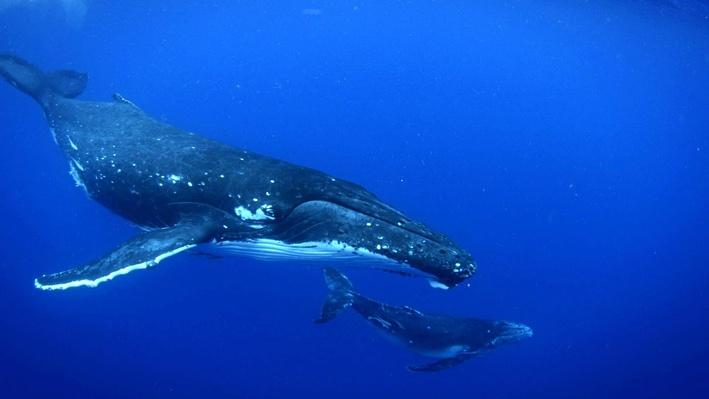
(442, 364)
(141, 252)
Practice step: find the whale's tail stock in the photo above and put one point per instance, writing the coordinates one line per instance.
(40, 85)
(340, 297)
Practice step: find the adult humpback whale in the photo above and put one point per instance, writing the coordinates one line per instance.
(451, 339)
(186, 191)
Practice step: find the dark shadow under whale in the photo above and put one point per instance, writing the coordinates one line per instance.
(186, 191)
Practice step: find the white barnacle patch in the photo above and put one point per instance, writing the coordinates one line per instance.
(110, 276)
(264, 212)
(174, 178)
(189, 183)
(71, 143)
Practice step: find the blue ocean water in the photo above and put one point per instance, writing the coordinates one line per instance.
(564, 143)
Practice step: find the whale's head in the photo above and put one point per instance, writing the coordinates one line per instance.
(327, 230)
(503, 332)
(316, 216)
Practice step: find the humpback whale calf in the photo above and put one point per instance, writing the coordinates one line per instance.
(187, 191)
(453, 340)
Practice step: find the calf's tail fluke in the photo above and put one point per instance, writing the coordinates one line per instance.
(38, 84)
(340, 297)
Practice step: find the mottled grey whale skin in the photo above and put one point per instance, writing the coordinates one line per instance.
(186, 191)
(451, 339)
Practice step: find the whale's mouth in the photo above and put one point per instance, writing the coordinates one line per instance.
(325, 230)
(267, 249)
(270, 249)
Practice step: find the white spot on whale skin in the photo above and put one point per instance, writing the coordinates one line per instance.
(174, 178)
(77, 178)
(54, 135)
(71, 143)
(110, 276)
(380, 322)
(446, 352)
(437, 284)
(78, 165)
(264, 212)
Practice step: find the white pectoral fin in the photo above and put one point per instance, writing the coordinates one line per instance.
(141, 252)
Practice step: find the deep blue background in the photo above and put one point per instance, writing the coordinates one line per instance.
(565, 143)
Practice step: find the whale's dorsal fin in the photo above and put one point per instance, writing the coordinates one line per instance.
(141, 252)
(443, 363)
(117, 97)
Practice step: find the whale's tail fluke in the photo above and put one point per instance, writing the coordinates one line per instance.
(36, 83)
(340, 297)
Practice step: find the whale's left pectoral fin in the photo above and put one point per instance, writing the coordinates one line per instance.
(442, 364)
(141, 252)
